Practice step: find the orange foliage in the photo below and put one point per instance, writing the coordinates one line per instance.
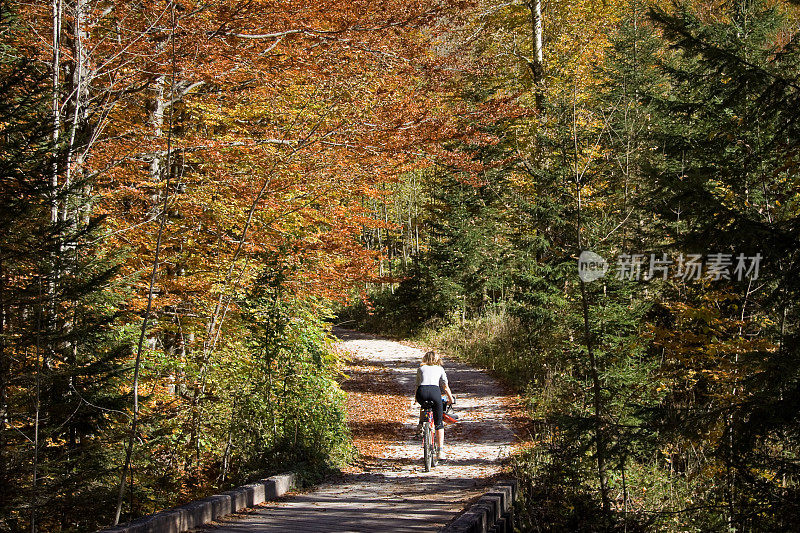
(281, 117)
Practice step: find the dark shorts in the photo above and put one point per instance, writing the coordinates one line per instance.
(433, 394)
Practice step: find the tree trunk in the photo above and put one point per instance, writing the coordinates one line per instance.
(47, 296)
(56, 103)
(80, 90)
(157, 122)
(600, 439)
(536, 63)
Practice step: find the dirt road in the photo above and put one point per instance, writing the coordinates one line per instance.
(387, 488)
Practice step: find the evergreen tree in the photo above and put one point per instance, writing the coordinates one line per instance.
(727, 135)
(60, 352)
(465, 260)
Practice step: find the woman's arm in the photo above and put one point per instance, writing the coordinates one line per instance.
(449, 394)
(444, 383)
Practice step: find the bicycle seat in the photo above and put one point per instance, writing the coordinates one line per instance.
(426, 405)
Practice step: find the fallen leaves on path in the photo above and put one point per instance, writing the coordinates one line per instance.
(375, 418)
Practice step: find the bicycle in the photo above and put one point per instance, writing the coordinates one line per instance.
(430, 451)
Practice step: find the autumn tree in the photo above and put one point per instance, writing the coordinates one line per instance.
(190, 148)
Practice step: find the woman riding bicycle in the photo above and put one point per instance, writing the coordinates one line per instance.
(431, 379)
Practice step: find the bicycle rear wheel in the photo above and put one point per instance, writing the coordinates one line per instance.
(427, 446)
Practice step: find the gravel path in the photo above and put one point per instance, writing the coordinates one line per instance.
(387, 489)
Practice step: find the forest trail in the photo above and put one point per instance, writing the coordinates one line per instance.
(386, 489)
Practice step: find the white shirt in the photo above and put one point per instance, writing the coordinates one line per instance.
(431, 375)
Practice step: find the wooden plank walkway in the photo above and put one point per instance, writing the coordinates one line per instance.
(392, 492)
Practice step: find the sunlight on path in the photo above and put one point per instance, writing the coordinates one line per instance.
(479, 440)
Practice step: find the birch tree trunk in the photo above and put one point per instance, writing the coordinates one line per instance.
(56, 106)
(537, 61)
(158, 105)
(48, 300)
(78, 142)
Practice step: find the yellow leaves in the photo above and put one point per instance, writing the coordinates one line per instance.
(578, 44)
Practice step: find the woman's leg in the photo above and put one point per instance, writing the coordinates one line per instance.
(432, 394)
(435, 395)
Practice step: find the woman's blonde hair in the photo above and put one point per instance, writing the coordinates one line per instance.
(431, 358)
